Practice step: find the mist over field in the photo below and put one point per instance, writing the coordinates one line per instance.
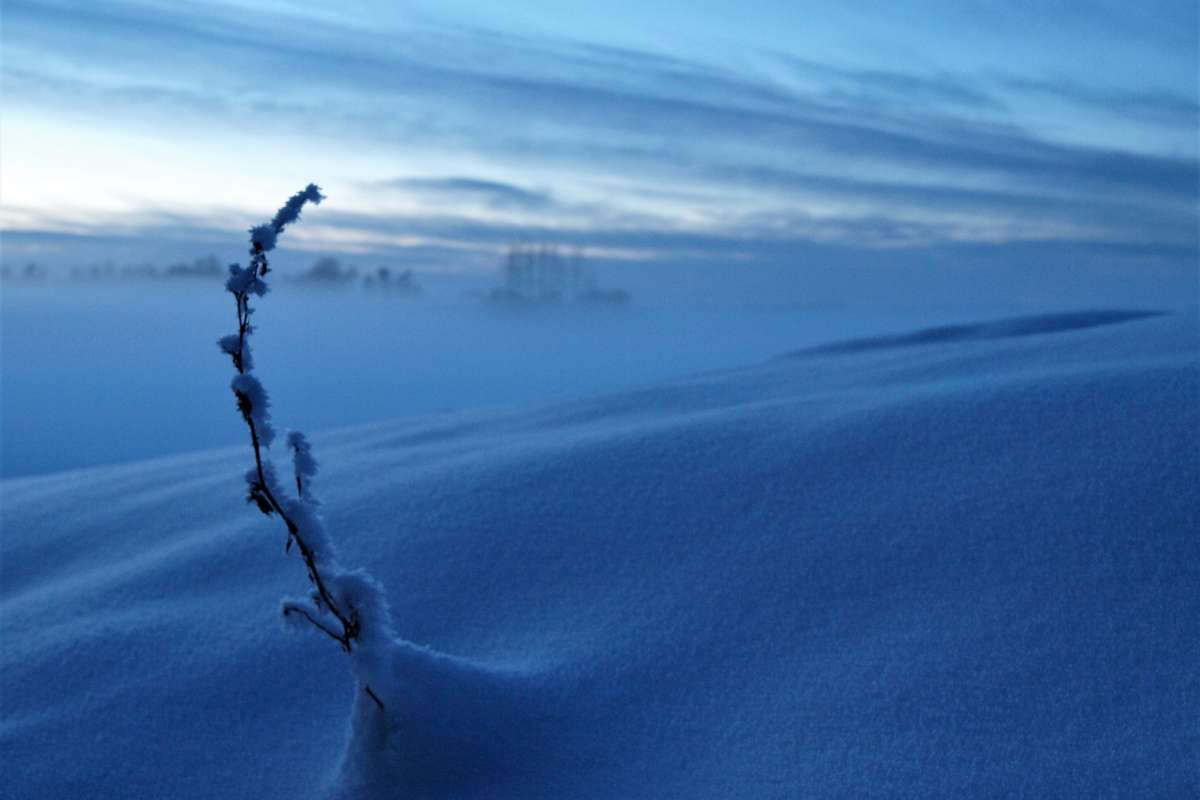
(105, 371)
(564, 400)
(116, 373)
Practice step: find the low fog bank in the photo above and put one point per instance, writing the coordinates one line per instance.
(1021, 275)
(107, 370)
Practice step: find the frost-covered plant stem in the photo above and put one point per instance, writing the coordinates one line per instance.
(332, 607)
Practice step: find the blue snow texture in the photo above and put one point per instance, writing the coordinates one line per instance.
(951, 563)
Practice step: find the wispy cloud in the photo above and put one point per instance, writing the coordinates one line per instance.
(1172, 108)
(496, 194)
(510, 134)
(861, 86)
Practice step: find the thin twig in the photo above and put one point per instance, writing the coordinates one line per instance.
(297, 610)
(374, 696)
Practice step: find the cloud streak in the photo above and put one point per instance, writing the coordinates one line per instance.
(1165, 107)
(556, 132)
(495, 194)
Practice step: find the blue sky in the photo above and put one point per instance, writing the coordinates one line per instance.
(644, 132)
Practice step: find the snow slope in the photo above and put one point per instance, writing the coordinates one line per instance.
(951, 563)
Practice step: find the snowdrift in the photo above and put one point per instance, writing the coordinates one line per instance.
(951, 563)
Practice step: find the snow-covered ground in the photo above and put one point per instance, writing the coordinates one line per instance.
(954, 563)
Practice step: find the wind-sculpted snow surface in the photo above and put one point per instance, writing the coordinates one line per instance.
(961, 569)
(995, 329)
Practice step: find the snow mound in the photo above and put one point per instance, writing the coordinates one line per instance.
(962, 568)
(997, 329)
